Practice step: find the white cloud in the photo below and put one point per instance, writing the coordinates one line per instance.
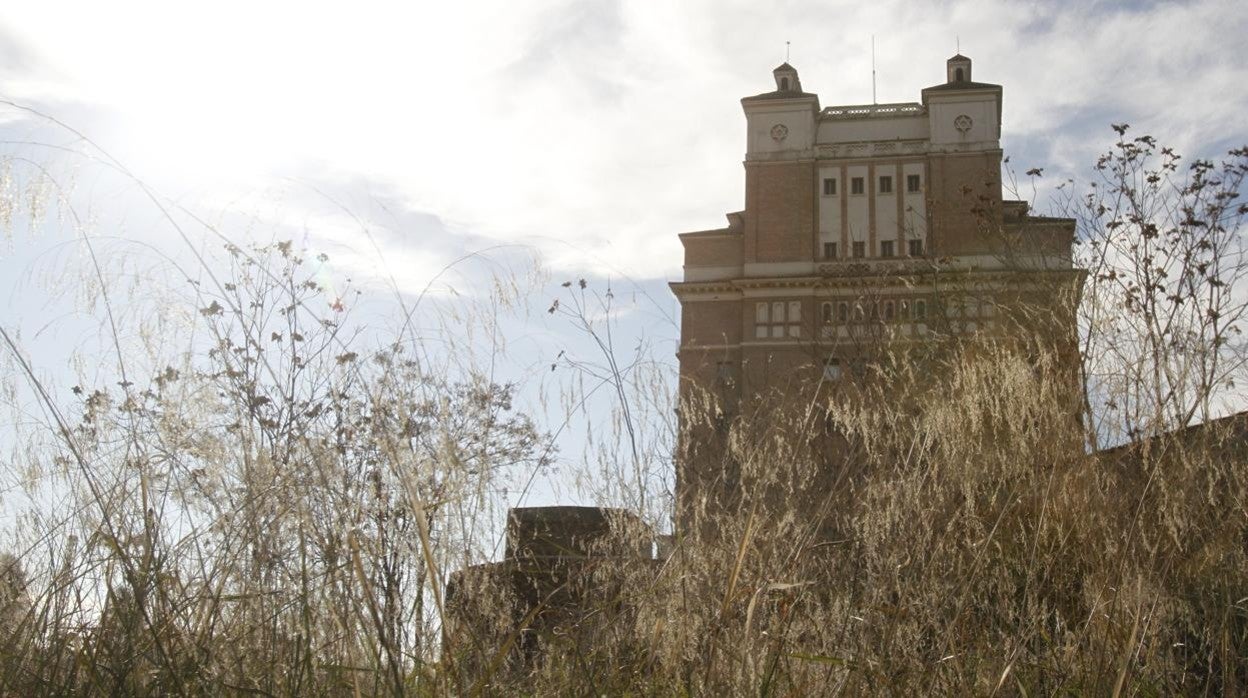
(607, 126)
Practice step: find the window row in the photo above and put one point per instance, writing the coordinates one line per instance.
(858, 249)
(783, 319)
(886, 310)
(857, 185)
(777, 319)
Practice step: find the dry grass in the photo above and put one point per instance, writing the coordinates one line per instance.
(277, 513)
(977, 550)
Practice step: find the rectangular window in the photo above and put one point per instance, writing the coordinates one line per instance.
(860, 250)
(886, 184)
(777, 319)
(855, 185)
(829, 250)
(913, 183)
(886, 248)
(762, 318)
(916, 248)
(832, 368)
(920, 309)
(829, 187)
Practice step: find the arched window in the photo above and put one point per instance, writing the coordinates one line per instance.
(826, 311)
(957, 75)
(784, 82)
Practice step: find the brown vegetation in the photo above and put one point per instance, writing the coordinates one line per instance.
(278, 514)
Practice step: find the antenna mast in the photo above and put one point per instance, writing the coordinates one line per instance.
(873, 69)
(786, 52)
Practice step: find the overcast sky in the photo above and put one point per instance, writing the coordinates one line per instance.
(594, 130)
(583, 134)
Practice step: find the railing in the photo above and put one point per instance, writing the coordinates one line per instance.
(859, 111)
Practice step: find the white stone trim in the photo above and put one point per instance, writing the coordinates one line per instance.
(712, 273)
(768, 269)
(710, 297)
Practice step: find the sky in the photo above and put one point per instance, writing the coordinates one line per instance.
(584, 135)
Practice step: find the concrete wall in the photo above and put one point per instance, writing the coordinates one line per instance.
(887, 215)
(914, 204)
(985, 130)
(797, 117)
(858, 207)
(873, 129)
(831, 209)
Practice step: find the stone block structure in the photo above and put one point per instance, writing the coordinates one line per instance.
(559, 579)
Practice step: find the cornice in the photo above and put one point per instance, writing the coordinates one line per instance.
(868, 274)
(873, 149)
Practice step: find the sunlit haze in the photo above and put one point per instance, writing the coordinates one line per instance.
(594, 131)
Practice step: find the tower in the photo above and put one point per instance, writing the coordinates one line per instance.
(856, 219)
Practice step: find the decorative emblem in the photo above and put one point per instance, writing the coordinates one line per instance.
(778, 132)
(962, 123)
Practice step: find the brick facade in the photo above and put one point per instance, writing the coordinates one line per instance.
(862, 225)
